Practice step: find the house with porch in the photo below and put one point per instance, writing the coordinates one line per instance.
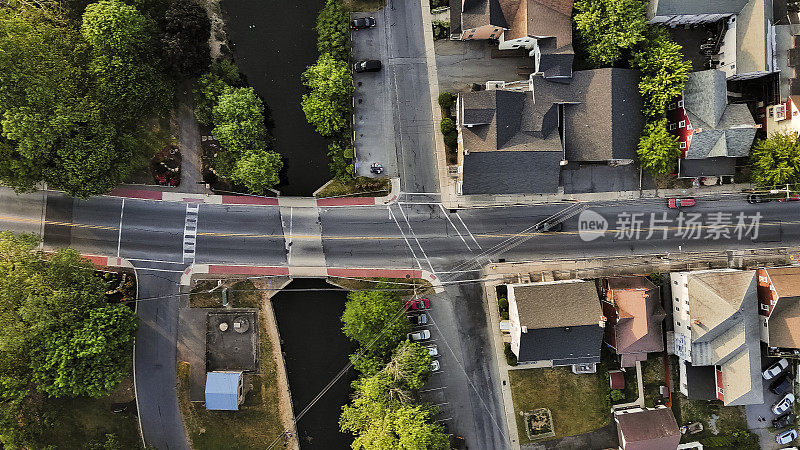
(712, 133)
(779, 309)
(555, 323)
(716, 335)
(634, 317)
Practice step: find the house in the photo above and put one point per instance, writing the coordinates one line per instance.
(779, 309)
(711, 132)
(717, 337)
(530, 127)
(556, 323)
(542, 27)
(783, 118)
(747, 47)
(632, 307)
(647, 429)
(224, 390)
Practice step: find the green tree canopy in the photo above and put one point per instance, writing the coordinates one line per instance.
(776, 160)
(211, 85)
(658, 150)
(329, 105)
(664, 71)
(258, 170)
(375, 316)
(239, 127)
(333, 31)
(608, 27)
(341, 163)
(185, 40)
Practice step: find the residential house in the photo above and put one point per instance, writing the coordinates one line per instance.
(784, 117)
(514, 139)
(543, 27)
(634, 316)
(647, 429)
(779, 309)
(712, 133)
(716, 335)
(224, 390)
(747, 48)
(556, 323)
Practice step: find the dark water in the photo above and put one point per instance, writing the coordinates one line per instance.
(273, 42)
(315, 350)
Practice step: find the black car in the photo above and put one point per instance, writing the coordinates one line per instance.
(755, 198)
(362, 22)
(368, 65)
(784, 420)
(782, 384)
(548, 227)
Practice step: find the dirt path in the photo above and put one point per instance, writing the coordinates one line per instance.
(270, 325)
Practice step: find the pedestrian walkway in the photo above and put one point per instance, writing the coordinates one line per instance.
(301, 226)
(191, 150)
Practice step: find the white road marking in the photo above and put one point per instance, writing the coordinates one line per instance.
(190, 231)
(470, 233)
(119, 237)
(411, 230)
(446, 216)
(159, 270)
(413, 253)
(433, 389)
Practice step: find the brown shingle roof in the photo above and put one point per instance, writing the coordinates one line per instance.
(558, 304)
(542, 18)
(640, 315)
(649, 429)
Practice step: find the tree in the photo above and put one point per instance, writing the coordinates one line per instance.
(447, 126)
(375, 320)
(664, 71)
(185, 40)
(658, 150)
(333, 31)
(776, 160)
(114, 28)
(341, 164)
(329, 105)
(410, 365)
(608, 27)
(239, 127)
(446, 100)
(258, 170)
(211, 85)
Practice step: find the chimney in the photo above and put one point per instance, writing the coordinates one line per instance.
(696, 321)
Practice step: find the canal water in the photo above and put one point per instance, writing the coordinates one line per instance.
(315, 350)
(273, 42)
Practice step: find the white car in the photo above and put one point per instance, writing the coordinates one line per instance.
(433, 350)
(420, 335)
(786, 437)
(775, 369)
(435, 367)
(783, 404)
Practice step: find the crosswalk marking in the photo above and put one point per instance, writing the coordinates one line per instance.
(190, 232)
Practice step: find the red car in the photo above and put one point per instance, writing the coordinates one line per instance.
(793, 198)
(680, 202)
(421, 303)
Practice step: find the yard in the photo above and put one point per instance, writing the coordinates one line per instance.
(241, 294)
(579, 403)
(257, 423)
(422, 287)
(653, 378)
(356, 187)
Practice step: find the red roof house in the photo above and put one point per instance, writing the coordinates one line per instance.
(647, 429)
(632, 307)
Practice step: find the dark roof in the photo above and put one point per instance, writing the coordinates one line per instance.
(562, 345)
(557, 304)
(701, 382)
(511, 172)
(648, 429)
(556, 65)
(709, 167)
(477, 13)
(691, 7)
(455, 18)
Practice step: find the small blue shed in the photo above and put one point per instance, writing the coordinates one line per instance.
(223, 390)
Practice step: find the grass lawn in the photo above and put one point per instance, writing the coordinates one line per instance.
(241, 294)
(357, 187)
(653, 378)
(579, 403)
(631, 392)
(257, 423)
(423, 287)
(363, 5)
(78, 422)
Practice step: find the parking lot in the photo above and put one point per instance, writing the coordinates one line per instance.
(373, 122)
(753, 412)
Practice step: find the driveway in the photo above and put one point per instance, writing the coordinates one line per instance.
(766, 438)
(461, 63)
(373, 124)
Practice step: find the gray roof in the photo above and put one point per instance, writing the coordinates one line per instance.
(709, 167)
(706, 95)
(752, 54)
(476, 13)
(680, 7)
(563, 345)
(511, 172)
(701, 382)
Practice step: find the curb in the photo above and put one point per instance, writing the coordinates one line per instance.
(322, 272)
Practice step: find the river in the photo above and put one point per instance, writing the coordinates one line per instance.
(273, 42)
(316, 350)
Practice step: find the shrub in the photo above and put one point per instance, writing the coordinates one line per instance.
(617, 395)
(451, 139)
(658, 150)
(446, 100)
(503, 304)
(776, 161)
(333, 30)
(447, 126)
(511, 358)
(504, 315)
(441, 29)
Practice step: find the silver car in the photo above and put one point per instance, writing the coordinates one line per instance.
(433, 350)
(420, 335)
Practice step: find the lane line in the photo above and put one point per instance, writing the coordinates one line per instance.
(159, 270)
(454, 226)
(413, 253)
(470, 233)
(119, 237)
(433, 389)
(411, 231)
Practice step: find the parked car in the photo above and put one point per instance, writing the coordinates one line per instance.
(433, 350)
(755, 198)
(680, 202)
(793, 198)
(775, 369)
(784, 420)
(786, 437)
(362, 22)
(419, 319)
(367, 65)
(422, 335)
(783, 404)
(420, 303)
(782, 384)
(434, 366)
